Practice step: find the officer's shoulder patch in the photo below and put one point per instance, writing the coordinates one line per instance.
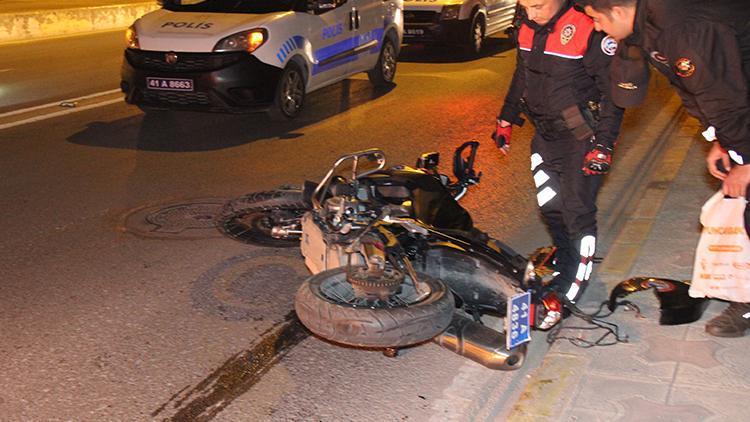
(609, 45)
(567, 33)
(684, 67)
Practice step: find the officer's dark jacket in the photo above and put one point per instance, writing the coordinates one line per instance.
(562, 64)
(700, 46)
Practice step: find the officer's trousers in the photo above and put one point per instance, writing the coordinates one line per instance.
(567, 200)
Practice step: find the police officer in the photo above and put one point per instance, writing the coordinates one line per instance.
(561, 84)
(703, 48)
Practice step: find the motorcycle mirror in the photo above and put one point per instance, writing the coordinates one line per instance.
(429, 161)
(463, 163)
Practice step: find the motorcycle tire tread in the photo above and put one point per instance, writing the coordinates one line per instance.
(281, 199)
(375, 328)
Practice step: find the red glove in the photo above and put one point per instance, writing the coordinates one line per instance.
(501, 136)
(598, 160)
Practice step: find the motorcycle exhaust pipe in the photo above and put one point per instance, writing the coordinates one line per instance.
(480, 344)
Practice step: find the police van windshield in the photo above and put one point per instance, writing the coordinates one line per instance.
(232, 6)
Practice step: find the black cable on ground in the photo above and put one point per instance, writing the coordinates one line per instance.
(610, 337)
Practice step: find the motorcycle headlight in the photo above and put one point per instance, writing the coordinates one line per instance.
(131, 37)
(450, 12)
(243, 41)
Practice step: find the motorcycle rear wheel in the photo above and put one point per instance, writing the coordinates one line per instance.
(250, 217)
(376, 325)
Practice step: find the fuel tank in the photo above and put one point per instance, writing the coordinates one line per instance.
(422, 194)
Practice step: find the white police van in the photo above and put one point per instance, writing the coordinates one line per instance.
(241, 55)
(457, 22)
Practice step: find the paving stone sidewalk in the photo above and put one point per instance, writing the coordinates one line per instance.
(664, 373)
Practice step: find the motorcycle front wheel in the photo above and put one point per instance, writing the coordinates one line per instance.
(327, 306)
(251, 217)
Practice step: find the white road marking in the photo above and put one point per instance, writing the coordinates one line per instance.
(56, 104)
(60, 113)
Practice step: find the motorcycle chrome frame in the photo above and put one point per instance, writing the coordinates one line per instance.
(373, 154)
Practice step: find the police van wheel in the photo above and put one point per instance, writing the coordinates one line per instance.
(290, 93)
(476, 36)
(385, 69)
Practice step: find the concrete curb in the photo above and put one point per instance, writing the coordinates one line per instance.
(26, 26)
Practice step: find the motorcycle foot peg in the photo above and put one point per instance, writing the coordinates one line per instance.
(390, 352)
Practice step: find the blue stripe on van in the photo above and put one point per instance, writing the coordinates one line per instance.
(344, 46)
(298, 41)
(287, 47)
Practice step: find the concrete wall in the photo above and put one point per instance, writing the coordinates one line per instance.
(51, 23)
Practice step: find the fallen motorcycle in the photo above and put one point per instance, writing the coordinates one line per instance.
(396, 261)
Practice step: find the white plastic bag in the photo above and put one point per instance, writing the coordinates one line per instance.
(722, 259)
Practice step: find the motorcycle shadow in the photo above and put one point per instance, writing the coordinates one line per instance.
(186, 131)
(389, 352)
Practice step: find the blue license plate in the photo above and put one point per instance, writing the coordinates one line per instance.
(170, 84)
(518, 320)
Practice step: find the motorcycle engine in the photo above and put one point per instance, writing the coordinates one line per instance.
(323, 230)
(343, 213)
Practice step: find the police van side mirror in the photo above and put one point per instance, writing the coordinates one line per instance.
(321, 6)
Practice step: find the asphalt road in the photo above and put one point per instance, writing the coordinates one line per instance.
(33, 73)
(119, 302)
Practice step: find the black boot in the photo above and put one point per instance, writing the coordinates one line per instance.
(733, 322)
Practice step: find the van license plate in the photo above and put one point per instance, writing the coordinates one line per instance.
(412, 31)
(170, 84)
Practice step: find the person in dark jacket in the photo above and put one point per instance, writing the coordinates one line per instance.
(561, 85)
(703, 48)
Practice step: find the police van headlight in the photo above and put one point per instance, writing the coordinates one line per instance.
(131, 37)
(243, 41)
(450, 12)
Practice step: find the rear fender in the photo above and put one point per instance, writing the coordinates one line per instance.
(478, 280)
